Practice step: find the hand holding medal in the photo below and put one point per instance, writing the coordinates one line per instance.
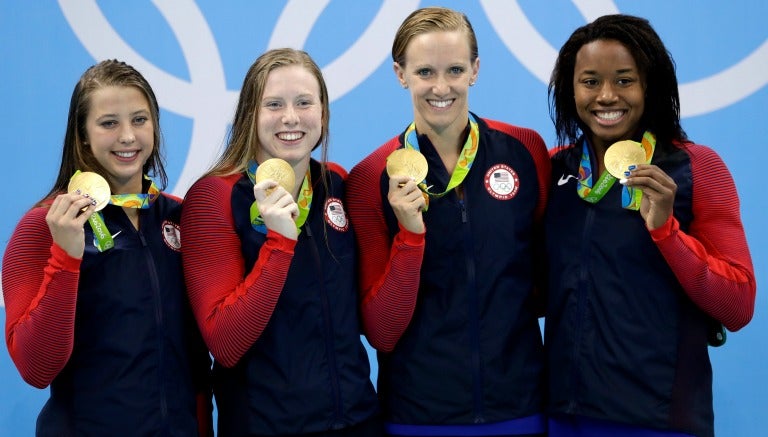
(620, 155)
(91, 185)
(411, 163)
(279, 171)
(403, 166)
(407, 162)
(278, 214)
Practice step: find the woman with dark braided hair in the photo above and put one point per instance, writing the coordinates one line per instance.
(640, 270)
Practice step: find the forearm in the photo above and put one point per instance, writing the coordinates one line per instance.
(41, 298)
(721, 286)
(390, 291)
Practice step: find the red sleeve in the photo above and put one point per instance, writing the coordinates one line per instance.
(231, 308)
(712, 261)
(389, 270)
(40, 292)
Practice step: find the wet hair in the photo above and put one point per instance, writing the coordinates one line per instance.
(243, 144)
(433, 19)
(76, 153)
(656, 66)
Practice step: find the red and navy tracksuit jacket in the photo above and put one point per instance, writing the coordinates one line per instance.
(280, 316)
(452, 311)
(629, 309)
(113, 334)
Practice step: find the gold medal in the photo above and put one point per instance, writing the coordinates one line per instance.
(407, 162)
(92, 184)
(620, 155)
(279, 171)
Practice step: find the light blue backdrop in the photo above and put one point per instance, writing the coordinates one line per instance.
(195, 54)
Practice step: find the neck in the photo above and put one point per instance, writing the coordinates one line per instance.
(448, 143)
(133, 216)
(299, 170)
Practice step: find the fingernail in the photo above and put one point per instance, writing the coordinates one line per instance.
(632, 167)
(623, 181)
(626, 173)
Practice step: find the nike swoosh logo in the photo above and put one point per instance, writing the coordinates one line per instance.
(565, 178)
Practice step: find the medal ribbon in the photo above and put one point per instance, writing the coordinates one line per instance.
(304, 202)
(138, 200)
(466, 157)
(630, 197)
(101, 233)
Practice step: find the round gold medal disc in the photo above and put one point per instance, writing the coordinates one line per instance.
(620, 155)
(279, 171)
(92, 184)
(407, 162)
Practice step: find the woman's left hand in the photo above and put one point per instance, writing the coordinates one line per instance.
(658, 193)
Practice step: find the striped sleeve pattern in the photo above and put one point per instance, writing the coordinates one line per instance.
(389, 270)
(712, 262)
(232, 306)
(40, 291)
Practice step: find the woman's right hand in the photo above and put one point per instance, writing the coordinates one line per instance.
(66, 218)
(278, 209)
(407, 202)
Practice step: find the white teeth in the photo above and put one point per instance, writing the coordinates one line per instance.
(126, 154)
(440, 103)
(293, 136)
(610, 116)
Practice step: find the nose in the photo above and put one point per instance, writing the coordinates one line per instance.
(290, 116)
(441, 86)
(126, 134)
(607, 93)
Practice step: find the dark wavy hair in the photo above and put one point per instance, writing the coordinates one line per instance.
(662, 101)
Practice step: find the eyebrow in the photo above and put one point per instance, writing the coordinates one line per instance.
(620, 71)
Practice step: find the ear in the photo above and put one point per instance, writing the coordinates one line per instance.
(400, 73)
(475, 70)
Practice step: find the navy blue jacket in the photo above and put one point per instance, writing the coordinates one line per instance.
(472, 352)
(308, 371)
(138, 360)
(625, 343)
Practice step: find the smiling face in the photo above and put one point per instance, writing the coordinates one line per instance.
(438, 71)
(120, 134)
(290, 115)
(609, 92)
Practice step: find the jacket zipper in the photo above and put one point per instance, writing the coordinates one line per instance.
(581, 299)
(329, 343)
(474, 323)
(152, 269)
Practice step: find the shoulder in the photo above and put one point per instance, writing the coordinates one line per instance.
(336, 169)
(169, 198)
(706, 164)
(698, 152)
(36, 215)
(560, 152)
(212, 184)
(373, 165)
(525, 135)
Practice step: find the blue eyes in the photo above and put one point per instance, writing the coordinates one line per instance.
(454, 71)
(137, 121)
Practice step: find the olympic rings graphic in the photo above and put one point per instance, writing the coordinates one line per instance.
(205, 94)
(698, 97)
